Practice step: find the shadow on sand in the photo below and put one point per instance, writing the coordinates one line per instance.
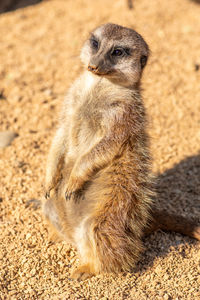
(178, 192)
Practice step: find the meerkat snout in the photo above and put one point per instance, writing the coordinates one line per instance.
(99, 65)
(95, 69)
(92, 68)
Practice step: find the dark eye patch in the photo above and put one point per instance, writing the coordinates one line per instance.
(94, 42)
(121, 51)
(117, 52)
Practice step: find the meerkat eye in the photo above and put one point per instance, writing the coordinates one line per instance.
(143, 61)
(94, 43)
(117, 52)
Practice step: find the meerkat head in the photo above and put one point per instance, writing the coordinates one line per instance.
(117, 53)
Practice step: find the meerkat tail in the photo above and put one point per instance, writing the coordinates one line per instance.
(172, 222)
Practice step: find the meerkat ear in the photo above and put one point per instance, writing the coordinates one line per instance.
(143, 61)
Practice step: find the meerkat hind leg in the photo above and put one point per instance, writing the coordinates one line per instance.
(84, 242)
(52, 219)
(88, 264)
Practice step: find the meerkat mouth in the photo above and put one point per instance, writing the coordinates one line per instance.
(102, 74)
(96, 71)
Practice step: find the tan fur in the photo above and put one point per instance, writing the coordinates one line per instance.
(97, 179)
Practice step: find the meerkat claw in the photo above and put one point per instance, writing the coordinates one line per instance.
(68, 195)
(47, 195)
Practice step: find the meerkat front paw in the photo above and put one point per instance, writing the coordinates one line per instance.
(73, 188)
(47, 192)
(69, 195)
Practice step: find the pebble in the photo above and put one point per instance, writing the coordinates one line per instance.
(6, 138)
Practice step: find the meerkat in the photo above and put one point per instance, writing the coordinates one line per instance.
(98, 178)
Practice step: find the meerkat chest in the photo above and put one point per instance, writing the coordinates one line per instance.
(85, 130)
(83, 117)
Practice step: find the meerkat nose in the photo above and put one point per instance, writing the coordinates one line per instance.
(92, 68)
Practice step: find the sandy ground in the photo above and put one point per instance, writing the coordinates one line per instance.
(39, 60)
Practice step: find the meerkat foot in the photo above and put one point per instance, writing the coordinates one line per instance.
(82, 273)
(54, 237)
